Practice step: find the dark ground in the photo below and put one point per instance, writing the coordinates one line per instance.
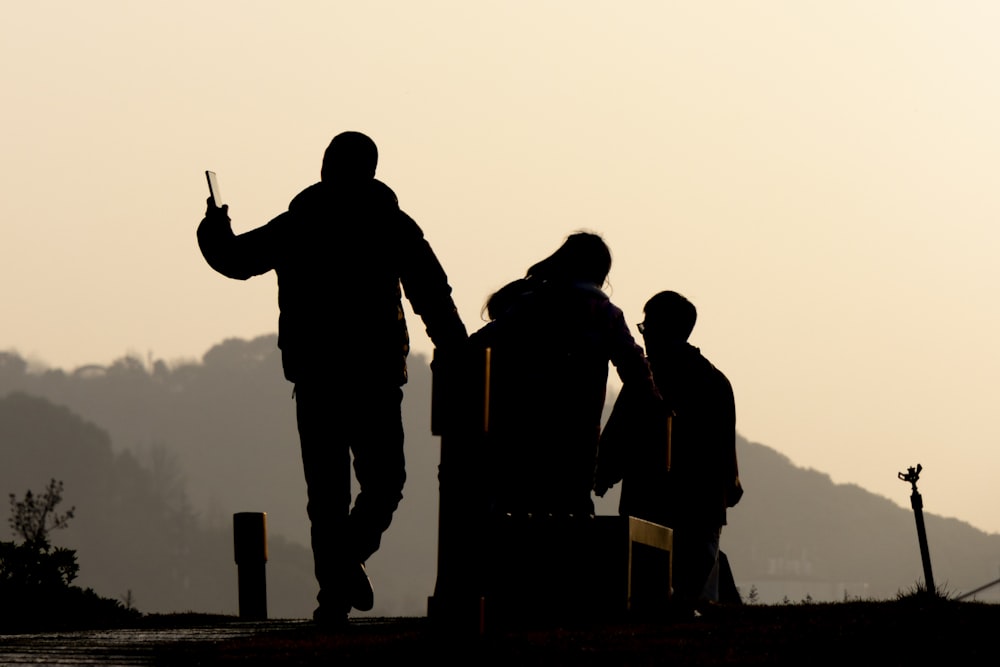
(900, 632)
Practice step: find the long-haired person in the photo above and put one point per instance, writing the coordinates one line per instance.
(552, 335)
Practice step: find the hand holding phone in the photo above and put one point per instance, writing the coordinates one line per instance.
(213, 188)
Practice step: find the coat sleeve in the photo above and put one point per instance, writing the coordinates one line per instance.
(238, 256)
(727, 441)
(627, 356)
(426, 287)
(612, 451)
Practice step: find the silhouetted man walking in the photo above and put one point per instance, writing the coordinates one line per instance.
(341, 252)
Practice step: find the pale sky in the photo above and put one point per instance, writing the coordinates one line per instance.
(820, 178)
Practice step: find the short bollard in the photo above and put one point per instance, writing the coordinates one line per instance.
(250, 546)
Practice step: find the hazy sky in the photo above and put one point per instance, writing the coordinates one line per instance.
(820, 178)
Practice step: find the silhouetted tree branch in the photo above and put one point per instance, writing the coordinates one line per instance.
(33, 518)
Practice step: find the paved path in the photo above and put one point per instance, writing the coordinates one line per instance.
(120, 648)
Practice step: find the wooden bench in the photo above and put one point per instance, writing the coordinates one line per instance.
(527, 567)
(555, 569)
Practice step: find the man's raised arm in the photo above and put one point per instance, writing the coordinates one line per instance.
(239, 257)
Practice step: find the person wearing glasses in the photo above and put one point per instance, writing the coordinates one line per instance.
(677, 462)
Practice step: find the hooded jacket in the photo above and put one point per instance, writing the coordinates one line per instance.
(344, 256)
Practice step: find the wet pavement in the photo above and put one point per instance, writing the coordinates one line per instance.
(906, 632)
(123, 648)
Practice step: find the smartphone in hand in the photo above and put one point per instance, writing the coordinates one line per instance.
(213, 188)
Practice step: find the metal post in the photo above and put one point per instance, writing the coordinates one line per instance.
(250, 547)
(918, 511)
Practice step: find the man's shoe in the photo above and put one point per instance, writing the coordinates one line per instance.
(362, 593)
(328, 619)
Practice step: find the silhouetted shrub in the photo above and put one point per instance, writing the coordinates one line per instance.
(35, 577)
(36, 564)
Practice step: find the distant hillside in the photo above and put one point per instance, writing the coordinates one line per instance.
(796, 533)
(223, 432)
(136, 537)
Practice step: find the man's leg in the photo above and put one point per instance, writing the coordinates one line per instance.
(379, 467)
(696, 551)
(711, 591)
(327, 464)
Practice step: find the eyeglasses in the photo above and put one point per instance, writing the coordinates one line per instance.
(641, 327)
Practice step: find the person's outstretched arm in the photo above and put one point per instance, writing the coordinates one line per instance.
(236, 256)
(426, 286)
(628, 357)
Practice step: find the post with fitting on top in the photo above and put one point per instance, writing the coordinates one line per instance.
(911, 476)
(250, 547)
